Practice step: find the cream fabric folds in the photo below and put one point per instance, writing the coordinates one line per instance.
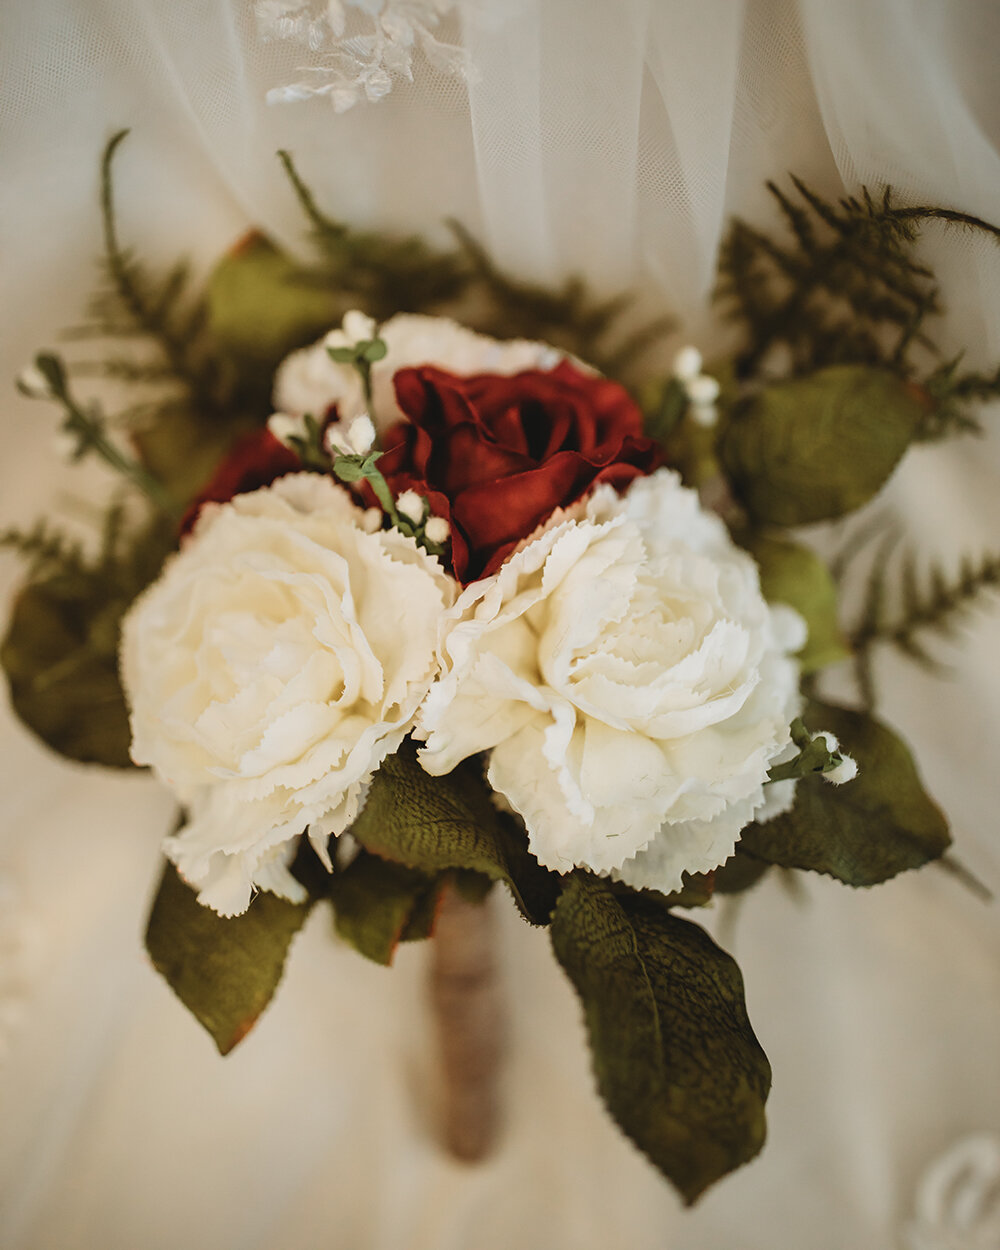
(611, 137)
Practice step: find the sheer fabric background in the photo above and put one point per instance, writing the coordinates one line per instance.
(613, 140)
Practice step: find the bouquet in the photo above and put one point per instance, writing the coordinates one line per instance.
(420, 582)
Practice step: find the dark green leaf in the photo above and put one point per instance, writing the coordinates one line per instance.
(378, 904)
(61, 660)
(665, 411)
(696, 891)
(182, 450)
(438, 823)
(261, 305)
(676, 1060)
(792, 574)
(819, 446)
(223, 970)
(739, 873)
(866, 830)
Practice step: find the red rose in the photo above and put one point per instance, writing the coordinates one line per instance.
(255, 460)
(497, 455)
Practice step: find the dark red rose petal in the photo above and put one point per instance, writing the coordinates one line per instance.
(255, 460)
(504, 452)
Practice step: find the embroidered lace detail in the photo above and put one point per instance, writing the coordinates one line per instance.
(18, 955)
(367, 45)
(958, 1202)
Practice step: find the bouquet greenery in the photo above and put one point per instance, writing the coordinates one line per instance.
(461, 592)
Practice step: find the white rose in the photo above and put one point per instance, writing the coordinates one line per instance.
(630, 681)
(309, 381)
(279, 658)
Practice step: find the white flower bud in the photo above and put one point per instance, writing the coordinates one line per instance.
(361, 434)
(33, 382)
(336, 338)
(846, 770)
(65, 445)
(687, 364)
(831, 740)
(335, 440)
(285, 427)
(437, 530)
(358, 326)
(704, 415)
(371, 520)
(702, 389)
(411, 505)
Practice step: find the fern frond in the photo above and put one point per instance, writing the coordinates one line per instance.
(45, 548)
(846, 287)
(159, 308)
(934, 603)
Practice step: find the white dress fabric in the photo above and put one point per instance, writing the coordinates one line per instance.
(614, 140)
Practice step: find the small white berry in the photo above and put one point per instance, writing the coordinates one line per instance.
(358, 326)
(285, 427)
(687, 364)
(411, 505)
(705, 415)
(702, 389)
(846, 770)
(437, 530)
(65, 445)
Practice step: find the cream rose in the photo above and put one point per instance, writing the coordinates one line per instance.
(630, 682)
(278, 659)
(309, 381)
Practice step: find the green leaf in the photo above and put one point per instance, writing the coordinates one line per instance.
(438, 823)
(819, 446)
(60, 655)
(793, 574)
(262, 305)
(223, 970)
(862, 832)
(182, 450)
(666, 405)
(377, 904)
(373, 350)
(739, 873)
(676, 1060)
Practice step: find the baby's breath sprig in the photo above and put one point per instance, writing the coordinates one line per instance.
(84, 428)
(818, 753)
(361, 355)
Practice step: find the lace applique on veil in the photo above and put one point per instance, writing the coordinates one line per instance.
(958, 1202)
(366, 45)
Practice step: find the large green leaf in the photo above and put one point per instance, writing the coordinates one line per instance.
(224, 970)
(61, 659)
(182, 449)
(740, 872)
(792, 574)
(378, 904)
(676, 1060)
(262, 305)
(819, 446)
(866, 830)
(438, 823)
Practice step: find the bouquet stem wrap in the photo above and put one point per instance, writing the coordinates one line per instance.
(467, 1005)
